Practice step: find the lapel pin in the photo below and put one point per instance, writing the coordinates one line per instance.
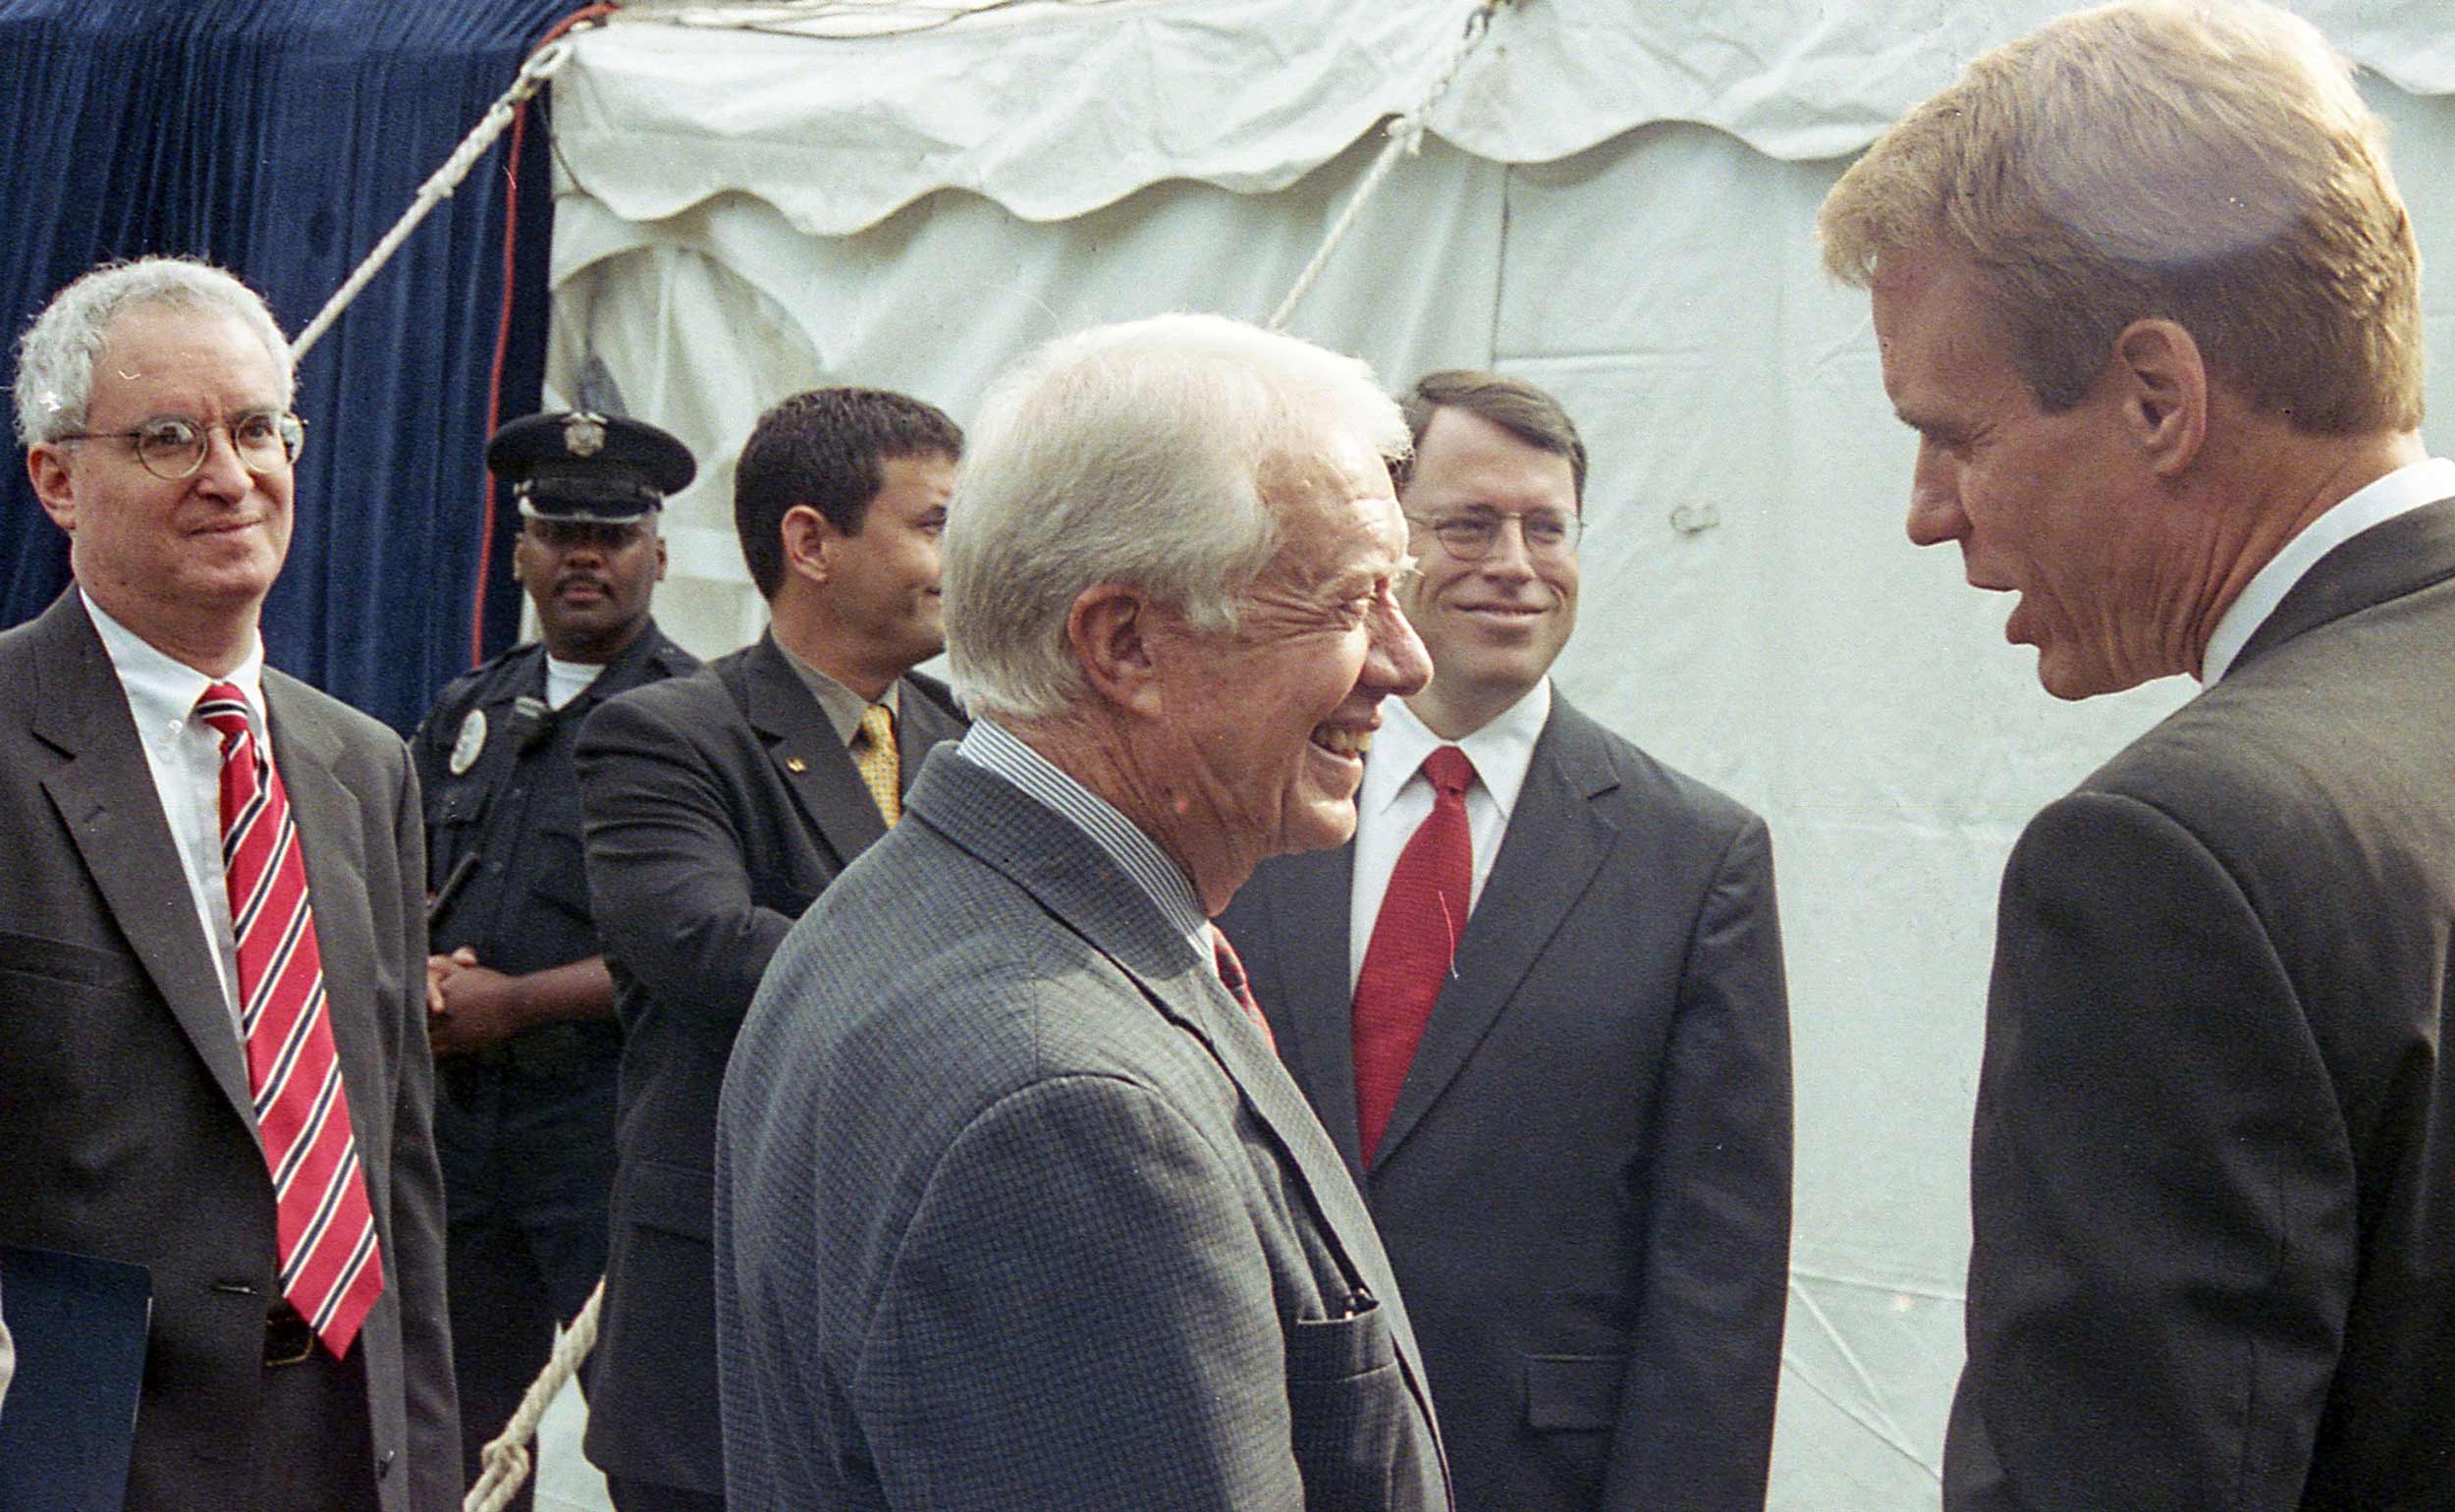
(795, 765)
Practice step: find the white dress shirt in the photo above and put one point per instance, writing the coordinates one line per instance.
(2399, 491)
(1397, 797)
(184, 756)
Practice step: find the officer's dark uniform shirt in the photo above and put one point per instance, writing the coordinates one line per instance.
(523, 905)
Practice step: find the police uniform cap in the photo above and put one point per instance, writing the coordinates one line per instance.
(582, 466)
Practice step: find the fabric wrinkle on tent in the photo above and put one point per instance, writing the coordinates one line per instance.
(1614, 201)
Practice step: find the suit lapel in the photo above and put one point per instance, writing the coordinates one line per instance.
(811, 760)
(1305, 911)
(1053, 862)
(107, 801)
(2387, 561)
(306, 752)
(1553, 848)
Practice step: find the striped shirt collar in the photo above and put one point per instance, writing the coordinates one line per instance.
(1135, 854)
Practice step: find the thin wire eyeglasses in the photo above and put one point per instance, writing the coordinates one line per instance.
(1470, 537)
(173, 447)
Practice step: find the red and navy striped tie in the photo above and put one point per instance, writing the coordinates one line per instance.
(330, 1270)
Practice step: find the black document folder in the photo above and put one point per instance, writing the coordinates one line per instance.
(69, 1417)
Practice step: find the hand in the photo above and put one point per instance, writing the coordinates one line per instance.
(439, 967)
(474, 1006)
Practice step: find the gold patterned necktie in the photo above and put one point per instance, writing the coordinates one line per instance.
(873, 751)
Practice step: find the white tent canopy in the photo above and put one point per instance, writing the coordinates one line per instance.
(1615, 202)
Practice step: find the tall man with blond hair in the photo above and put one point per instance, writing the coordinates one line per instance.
(2145, 290)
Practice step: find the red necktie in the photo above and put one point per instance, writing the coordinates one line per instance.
(1408, 959)
(1231, 975)
(330, 1270)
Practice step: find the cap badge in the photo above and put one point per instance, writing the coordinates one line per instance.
(583, 435)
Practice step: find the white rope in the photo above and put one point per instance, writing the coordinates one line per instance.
(506, 1460)
(1406, 139)
(541, 66)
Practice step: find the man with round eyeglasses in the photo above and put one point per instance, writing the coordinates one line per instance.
(213, 1069)
(1539, 1003)
(172, 448)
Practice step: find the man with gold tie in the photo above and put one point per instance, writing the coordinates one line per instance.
(719, 805)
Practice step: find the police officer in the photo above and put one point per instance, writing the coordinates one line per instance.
(520, 1008)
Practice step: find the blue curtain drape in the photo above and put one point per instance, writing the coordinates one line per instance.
(281, 139)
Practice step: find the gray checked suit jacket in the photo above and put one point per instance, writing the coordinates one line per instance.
(1014, 1210)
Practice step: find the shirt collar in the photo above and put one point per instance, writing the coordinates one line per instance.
(1500, 750)
(2405, 489)
(162, 690)
(843, 707)
(990, 744)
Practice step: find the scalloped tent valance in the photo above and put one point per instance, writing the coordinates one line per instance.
(1051, 110)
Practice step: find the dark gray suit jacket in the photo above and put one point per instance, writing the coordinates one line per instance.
(718, 805)
(1015, 1211)
(125, 1123)
(2213, 1171)
(1585, 1183)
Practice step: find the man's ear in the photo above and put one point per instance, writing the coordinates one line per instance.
(2162, 388)
(807, 537)
(1109, 627)
(660, 559)
(46, 466)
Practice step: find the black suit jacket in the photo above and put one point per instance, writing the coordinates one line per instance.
(125, 1125)
(718, 806)
(1585, 1183)
(2213, 1177)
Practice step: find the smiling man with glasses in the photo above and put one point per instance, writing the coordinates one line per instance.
(1539, 1003)
(212, 1057)
(172, 448)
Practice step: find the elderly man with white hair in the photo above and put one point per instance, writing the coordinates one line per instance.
(1016, 1208)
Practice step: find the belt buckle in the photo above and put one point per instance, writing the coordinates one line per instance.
(288, 1340)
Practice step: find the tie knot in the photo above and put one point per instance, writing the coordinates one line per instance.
(878, 726)
(1450, 771)
(224, 709)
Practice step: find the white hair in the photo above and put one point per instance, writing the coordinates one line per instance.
(1131, 454)
(56, 356)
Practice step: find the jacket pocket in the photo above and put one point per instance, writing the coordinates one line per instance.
(1569, 1392)
(58, 960)
(1347, 1404)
